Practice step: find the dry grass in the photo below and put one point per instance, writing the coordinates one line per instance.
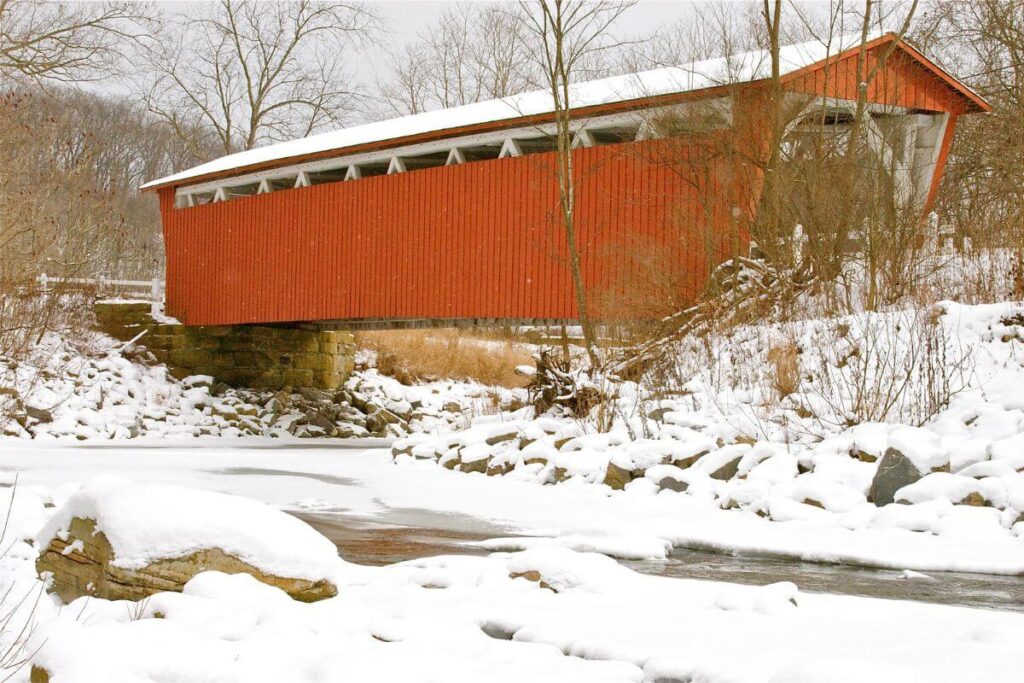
(784, 360)
(416, 355)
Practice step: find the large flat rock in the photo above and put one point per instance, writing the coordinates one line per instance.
(83, 564)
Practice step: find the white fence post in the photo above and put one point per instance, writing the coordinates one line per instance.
(157, 295)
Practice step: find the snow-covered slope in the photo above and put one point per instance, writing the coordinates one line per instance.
(943, 388)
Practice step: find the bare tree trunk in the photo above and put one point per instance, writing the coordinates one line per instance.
(569, 31)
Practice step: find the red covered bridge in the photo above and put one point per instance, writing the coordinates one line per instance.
(452, 216)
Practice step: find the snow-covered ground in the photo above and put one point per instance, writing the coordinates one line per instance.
(720, 458)
(477, 618)
(798, 468)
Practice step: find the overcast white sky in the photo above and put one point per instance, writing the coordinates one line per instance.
(405, 18)
(408, 16)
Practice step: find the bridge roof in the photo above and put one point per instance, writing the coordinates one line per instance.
(630, 91)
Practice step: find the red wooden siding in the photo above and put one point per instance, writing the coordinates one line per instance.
(901, 81)
(478, 240)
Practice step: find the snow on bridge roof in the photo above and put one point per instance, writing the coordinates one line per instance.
(702, 75)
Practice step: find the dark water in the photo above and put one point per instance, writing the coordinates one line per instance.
(948, 588)
(380, 543)
(411, 534)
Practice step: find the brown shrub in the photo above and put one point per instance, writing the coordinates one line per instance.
(784, 359)
(414, 355)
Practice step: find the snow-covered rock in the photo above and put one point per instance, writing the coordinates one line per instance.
(117, 539)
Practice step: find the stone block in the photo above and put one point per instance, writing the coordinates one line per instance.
(328, 380)
(167, 330)
(239, 343)
(308, 344)
(264, 379)
(314, 361)
(223, 359)
(121, 308)
(219, 330)
(250, 359)
(165, 341)
(204, 342)
(191, 358)
(297, 378)
(122, 332)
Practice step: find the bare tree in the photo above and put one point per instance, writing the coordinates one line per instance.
(983, 188)
(56, 215)
(257, 72)
(569, 33)
(407, 88)
(472, 52)
(716, 29)
(67, 42)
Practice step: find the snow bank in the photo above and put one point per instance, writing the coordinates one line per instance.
(547, 614)
(147, 522)
(727, 445)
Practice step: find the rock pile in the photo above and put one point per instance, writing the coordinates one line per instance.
(888, 475)
(99, 393)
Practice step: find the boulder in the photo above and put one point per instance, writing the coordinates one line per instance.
(500, 466)
(669, 483)
(864, 456)
(122, 541)
(975, 498)
(558, 475)
(617, 477)
(728, 470)
(39, 414)
(691, 460)
(474, 466)
(501, 436)
(895, 471)
(84, 565)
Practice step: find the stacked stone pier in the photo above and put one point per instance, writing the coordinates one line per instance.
(258, 356)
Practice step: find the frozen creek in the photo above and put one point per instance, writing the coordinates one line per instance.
(412, 534)
(380, 514)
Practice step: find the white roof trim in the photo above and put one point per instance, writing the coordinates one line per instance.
(384, 156)
(741, 68)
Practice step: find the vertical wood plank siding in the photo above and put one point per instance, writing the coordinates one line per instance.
(478, 240)
(901, 81)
